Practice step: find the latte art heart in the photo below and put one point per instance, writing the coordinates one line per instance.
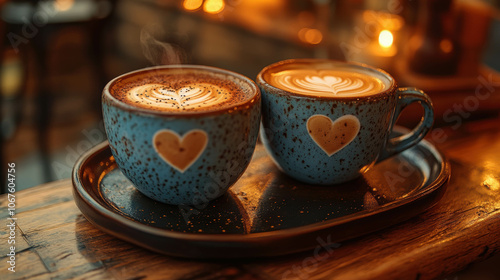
(335, 85)
(326, 82)
(180, 90)
(188, 97)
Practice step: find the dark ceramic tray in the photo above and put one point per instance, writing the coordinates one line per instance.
(265, 213)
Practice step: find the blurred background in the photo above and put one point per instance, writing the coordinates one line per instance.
(56, 56)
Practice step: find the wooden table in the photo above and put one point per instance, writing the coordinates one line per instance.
(54, 240)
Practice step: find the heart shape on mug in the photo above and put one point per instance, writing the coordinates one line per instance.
(180, 152)
(333, 136)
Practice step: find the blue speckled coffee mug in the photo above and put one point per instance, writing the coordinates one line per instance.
(326, 122)
(175, 135)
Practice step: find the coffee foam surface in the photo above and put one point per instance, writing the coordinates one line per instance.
(178, 89)
(324, 82)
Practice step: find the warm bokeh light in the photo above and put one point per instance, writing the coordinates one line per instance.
(491, 183)
(192, 5)
(314, 36)
(385, 38)
(310, 35)
(446, 45)
(11, 75)
(213, 6)
(63, 5)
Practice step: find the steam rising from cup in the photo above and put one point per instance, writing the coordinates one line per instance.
(158, 52)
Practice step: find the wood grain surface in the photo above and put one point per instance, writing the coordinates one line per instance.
(55, 241)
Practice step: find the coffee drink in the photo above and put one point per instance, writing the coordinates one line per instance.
(326, 80)
(178, 89)
(327, 122)
(182, 134)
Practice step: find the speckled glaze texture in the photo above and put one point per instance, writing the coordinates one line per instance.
(286, 137)
(289, 141)
(232, 135)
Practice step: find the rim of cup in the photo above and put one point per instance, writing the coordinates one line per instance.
(389, 91)
(253, 98)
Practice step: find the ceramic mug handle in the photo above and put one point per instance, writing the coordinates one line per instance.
(406, 96)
